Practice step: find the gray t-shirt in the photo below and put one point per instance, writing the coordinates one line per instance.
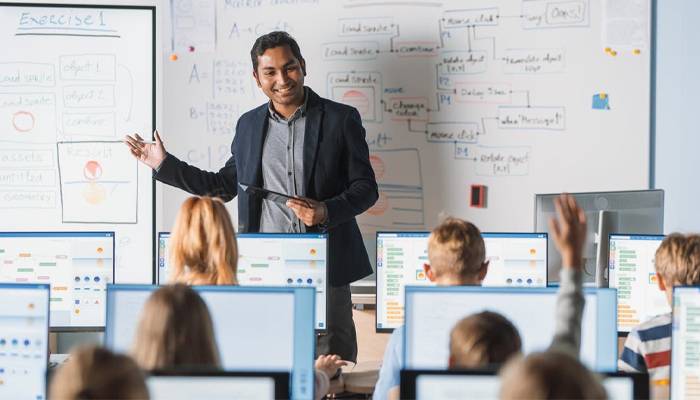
(283, 168)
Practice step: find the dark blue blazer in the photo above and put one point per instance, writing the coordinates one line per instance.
(336, 170)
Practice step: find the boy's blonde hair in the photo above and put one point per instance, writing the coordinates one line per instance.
(93, 372)
(455, 247)
(482, 340)
(677, 260)
(203, 244)
(175, 330)
(549, 375)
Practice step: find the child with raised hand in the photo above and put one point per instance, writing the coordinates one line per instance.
(557, 373)
(648, 345)
(93, 372)
(488, 338)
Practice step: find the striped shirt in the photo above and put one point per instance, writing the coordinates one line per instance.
(648, 349)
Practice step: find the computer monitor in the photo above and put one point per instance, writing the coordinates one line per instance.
(177, 384)
(432, 312)
(449, 385)
(515, 259)
(163, 267)
(635, 211)
(256, 328)
(24, 337)
(486, 384)
(278, 259)
(77, 265)
(685, 343)
(632, 273)
(274, 259)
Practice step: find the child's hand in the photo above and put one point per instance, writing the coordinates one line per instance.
(329, 363)
(569, 231)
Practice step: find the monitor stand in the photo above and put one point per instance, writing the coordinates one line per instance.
(606, 226)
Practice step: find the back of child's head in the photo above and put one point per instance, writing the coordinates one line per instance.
(96, 373)
(175, 330)
(486, 339)
(456, 248)
(677, 259)
(549, 375)
(203, 243)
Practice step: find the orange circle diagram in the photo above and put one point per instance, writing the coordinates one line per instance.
(312, 252)
(94, 193)
(356, 99)
(23, 121)
(380, 207)
(92, 170)
(378, 166)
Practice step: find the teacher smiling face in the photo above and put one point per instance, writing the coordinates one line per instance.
(279, 73)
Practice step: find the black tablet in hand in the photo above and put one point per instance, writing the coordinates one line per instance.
(270, 195)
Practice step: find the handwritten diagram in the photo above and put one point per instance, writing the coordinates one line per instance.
(450, 93)
(99, 182)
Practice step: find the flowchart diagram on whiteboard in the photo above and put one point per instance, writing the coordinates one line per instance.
(520, 96)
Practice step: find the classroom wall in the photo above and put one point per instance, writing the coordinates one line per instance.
(677, 162)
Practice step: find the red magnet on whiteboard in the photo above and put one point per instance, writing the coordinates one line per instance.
(191, 49)
(477, 196)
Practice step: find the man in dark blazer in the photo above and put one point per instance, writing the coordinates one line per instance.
(301, 144)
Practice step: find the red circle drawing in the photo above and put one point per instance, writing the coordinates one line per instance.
(377, 165)
(356, 99)
(23, 121)
(92, 170)
(380, 207)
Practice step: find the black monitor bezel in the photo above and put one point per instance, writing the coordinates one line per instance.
(282, 378)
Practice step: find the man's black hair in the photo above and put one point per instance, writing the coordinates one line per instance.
(272, 40)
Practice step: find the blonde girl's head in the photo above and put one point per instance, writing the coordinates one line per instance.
(203, 247)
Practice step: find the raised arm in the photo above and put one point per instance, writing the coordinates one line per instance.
(569, 234)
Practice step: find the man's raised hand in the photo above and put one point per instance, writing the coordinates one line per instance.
(149, 153)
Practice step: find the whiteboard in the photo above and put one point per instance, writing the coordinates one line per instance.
(522, 96)
(73, 81)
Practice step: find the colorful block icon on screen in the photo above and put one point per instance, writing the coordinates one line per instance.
(652, 279)
(420, 275)
(601, 101)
